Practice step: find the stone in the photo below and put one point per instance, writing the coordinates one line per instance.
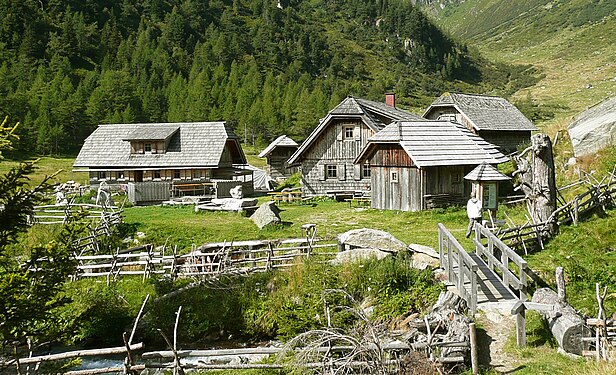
(357, 255)
(422, 261)
(268, 213)
(594, 129)
(427, 250)
(371, 239)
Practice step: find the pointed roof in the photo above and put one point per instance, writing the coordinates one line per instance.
(486, 172)
(373, 114)
(435, 143)
(282, 141)
(192, 144)
(484, 112)
(152, 132)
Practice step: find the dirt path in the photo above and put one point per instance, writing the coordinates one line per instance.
(495, 329)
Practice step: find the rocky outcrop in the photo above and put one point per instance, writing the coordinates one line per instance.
(594, 129)
(358, 254)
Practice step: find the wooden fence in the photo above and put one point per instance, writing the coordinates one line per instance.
(206, 260)
(529, 235)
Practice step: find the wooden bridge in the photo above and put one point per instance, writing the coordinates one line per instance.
(492, 273)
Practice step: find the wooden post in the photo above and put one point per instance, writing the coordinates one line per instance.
(449, 261)
(474, 358)
(505, 262)
(576, 210)
(560, 285)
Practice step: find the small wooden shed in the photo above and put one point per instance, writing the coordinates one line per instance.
(277, 153)
(421, 165)
(485, 179)
(492, 118)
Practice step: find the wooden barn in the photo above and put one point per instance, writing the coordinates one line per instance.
(327, 156)
(167, 159)
(277, 153)
(492, 118)
(418, 165)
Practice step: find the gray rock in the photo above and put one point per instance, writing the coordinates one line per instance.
(422, 261)
(268, 213)
(371, 239)
(594, 129)
(427, 250)
(358, 254)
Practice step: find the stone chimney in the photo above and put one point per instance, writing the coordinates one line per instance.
(390, 99)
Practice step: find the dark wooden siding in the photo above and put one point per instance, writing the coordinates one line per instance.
(277, 166)
(331, 148)
(391, 155)
(508, 141)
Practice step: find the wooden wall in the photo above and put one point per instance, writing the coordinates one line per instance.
(507, 141)
(331, 148)
(277, 166)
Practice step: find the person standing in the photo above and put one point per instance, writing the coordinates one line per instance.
(473, 210)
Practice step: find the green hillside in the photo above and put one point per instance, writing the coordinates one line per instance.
(570, 42)
(266, 67)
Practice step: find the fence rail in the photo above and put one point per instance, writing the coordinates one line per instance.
(205, 260)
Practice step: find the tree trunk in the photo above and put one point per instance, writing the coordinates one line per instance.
(566, 325)
(543, 203)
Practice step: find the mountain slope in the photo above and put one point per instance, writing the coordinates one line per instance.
(571, 42)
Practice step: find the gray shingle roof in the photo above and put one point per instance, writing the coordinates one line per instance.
(148, 132)
(485, 112)
(368, 111)
(436, 143)
(282, 141)
(486, 172)
(195, 144)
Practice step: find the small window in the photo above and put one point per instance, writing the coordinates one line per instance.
(349, 132)
(394, 176)
(456, 178)
(176, 173)
(197, 173)
(332, 171)
(157, 174)
(147, 147)
(365, 170)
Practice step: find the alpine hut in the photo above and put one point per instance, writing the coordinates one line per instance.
(327, 156)
(417, 165)
(155, 161)
(277, 153)
(492, 118)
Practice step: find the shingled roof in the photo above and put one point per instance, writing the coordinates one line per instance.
(282, 141)
(147, 132)
(368, 111)
(435, 143)
(484, 112)
(193, 144)
(486, 172)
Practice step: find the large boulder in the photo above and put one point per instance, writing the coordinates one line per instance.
(370, 239)
(594, 129)
(357, 255)
(268, 213)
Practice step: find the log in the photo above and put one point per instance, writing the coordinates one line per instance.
(544, 181)
(566, 324)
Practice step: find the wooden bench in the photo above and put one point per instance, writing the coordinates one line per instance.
(359, 201)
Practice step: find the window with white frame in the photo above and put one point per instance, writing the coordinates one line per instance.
(349, 131)
(394, 176)
(332, 171)
(365, 170)
(147, 147)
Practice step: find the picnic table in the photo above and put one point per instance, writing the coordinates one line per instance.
(289, 196)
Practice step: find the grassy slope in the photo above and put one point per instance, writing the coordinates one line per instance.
(570, 42)
(47, 166)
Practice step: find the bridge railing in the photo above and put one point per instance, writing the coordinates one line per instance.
(461, 268)
(502, 260)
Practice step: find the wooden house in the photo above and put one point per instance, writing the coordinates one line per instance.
(327, 156)
(170, 158)
(277, 153)
(417, 165)
(492, 118)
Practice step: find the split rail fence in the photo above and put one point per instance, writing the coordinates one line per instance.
(528, 235)
(206, 260)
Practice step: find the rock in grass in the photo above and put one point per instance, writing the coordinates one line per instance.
(371, 239)
(423, 257)
(268, 213)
